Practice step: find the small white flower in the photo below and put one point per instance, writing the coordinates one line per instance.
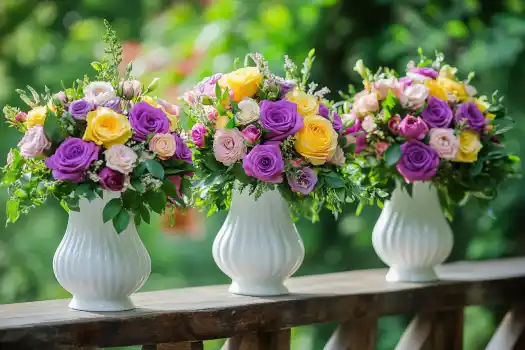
(360, 68)
(99, 92)
(368, 124)
(249, 111)
(414, 96)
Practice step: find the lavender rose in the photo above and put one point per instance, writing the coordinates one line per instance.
(111, 180)
(229, 146)
(265, 162)
(280, 118)
(470, 114)
(182, 150)
(419, 161)
(72, 159)
(286, 86)
(302, 180)
(80, 108)
(420, 73)
(146, 119)
(113, 104)
(337, 122)
(437, 113)
(413, 128)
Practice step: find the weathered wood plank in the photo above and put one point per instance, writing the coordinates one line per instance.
(187, 345)
(354, 335)
(510, 334)
(441, 330)
(211, 312)
(279, 340)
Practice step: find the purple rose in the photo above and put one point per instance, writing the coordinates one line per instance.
(80, 108)
(264, 162)
(425, 71)
(251, 134)
(419, 161)
(113, 104)
(286, 86)
(413, 128)
(302, 180)
(72, 159)
(468, 113)
(437, 113)
(337, 122)
(182, 151)
(198, 133)
(146, 119)
(280, 118)
(111, 180)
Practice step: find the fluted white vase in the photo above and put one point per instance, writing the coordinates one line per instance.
(258, 246)
(412, 235)
(99, 267)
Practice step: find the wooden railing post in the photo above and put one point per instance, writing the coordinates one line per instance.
(510, 334)
(354, 335)
(197, 345)
(259, 341)
(442, 330)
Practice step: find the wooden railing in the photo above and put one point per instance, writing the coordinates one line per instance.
(183, 318)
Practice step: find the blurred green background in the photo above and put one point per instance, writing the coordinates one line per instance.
(181, 41)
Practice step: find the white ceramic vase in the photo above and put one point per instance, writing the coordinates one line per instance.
(412, 235)
(99, 267)
(258, 246)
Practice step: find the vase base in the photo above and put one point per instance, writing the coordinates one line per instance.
(122, 304)
(258, 290)
(425, 274)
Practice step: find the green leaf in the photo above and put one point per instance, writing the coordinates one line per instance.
(359, 209)
(111, 209)
(52, 128)
(154, 168)
(230, 124)
(476, 169)
(409, 188)
(139, 170)
(144, 213)
(137, 219)
(211, 163)
(12, 210)
(393, 154)
(130, 199)
(121, 221)
(238, 172)
(156, 201)
(137, 185)
(218, 91)
(333, 180)
(96, 66)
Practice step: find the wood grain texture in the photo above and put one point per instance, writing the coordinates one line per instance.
(510, 334)
(259, 341)
(442, 330)
(211, 312)
(187, 345)
(354, 335)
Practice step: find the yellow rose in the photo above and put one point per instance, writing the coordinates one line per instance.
(448, 72)
(106, 127)
(469, 147)
(483, 106)
(453, 87)
(436, 90)
(244, 82)
(36, 116)
(317, 140)
(221, 122)
(151, 101)
(306, 104)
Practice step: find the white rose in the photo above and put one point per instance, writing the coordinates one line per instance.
(338, 158)
(365, 102)
(121, 158)
(99, 92)
(414, 96)
(444, 142)
(249, 111)
(383, 86)
(34, 142)
(369, 124)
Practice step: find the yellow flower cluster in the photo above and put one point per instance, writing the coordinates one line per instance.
(107, 128)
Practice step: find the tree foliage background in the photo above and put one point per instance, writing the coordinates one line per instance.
(181, 41)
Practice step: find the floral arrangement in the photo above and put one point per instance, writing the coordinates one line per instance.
(103, 135)
(267, 132)
(428, 125)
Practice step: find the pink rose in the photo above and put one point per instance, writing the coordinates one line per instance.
(444, 142)
(383, 86)
(381, 147)
(413, 128)
(229, 146)
(164, 145)
(252, 134)
(393, 124)
(34, 142)
(365, 102)
(198, 132)
(414, 96)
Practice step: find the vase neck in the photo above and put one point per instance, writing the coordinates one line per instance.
(245, 201)
(424, 197)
